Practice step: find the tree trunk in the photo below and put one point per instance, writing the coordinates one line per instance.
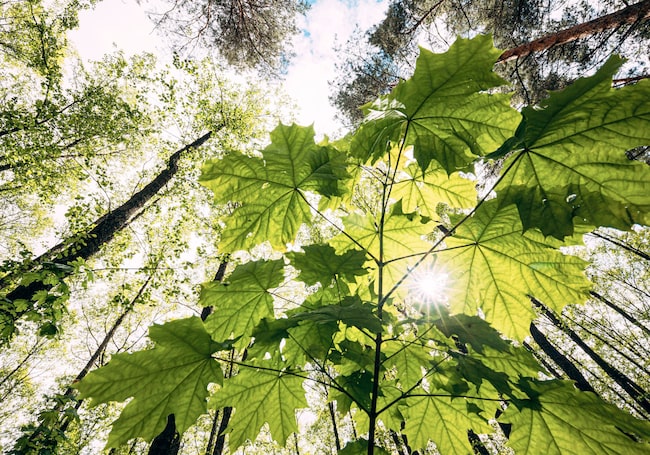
(168, 442)
(88, 245)
(560, 360)
(636, 392)
(622, 312)
(629, 15)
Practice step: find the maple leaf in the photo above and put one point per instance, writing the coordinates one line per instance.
(171, 378)
(492, 266)
(320, 263)
(443, 110)
(443, 420)
(261, 396)
(272, 190)
(559, 419)
(571, 166)
(403, 237)
(241, 302)
(423, 191)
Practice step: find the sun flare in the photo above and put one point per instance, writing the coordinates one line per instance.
(429, 286)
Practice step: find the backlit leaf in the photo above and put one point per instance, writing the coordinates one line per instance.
(171, 378)
(272, 190)
(572, 163)
(443, 109)
(261, 396)
(242, 301)
(443, 420)
(563, 421)
(494, 268)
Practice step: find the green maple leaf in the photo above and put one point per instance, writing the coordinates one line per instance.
(308, 341)
(443, 110)
(261, 396)
(423, 191)
(351, 310)
(561, 420)
(571, 164)
(410, 357)
(272, 191)
(403, 237)
(492, 266)
(320, 263)
(171, 378)
(443, 420)
(243, 301)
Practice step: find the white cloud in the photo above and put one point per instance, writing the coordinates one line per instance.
(113, 25)
(328, 22)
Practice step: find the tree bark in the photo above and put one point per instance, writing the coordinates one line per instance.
(103, 232)
(629, 15)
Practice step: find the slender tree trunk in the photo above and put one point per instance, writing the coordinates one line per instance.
(636, 392)
(337, 441)
(88, 245)
(622, 312)
(66, 419)
(629, 15)
(560, 360)
(168, 442)
(622, 244)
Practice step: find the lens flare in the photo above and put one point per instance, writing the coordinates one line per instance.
(428, 286)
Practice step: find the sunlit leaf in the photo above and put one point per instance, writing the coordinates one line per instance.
(494, 268)
(572, 166)
(171, 378)
(443, 420)
(443, 110)
(242, 301)
(261, 396)
(423, 191)
(272, 191)
(561, 420)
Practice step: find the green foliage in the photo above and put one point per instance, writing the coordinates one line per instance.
(171, 378)
(430, 367)
(262, 396)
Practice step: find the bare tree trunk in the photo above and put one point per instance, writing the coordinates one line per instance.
(629, 15)
(84, 247)
(560, 360)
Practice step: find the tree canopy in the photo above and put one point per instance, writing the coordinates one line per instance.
(465, 271)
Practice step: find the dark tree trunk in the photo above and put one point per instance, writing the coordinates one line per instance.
(168, 442)
(88, 245)
(560, 360)
(629, 15)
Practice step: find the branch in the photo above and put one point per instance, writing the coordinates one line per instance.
(633, 13)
